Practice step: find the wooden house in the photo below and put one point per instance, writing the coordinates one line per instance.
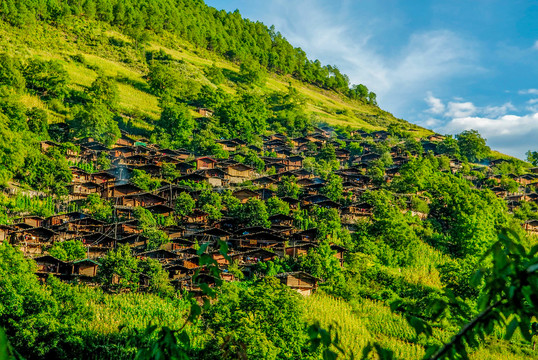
(300, 281)
(85, 268)
(205, 162)
(49, 265)
(245, 194)
(281, 219)
(228, 145)
(117, 191)
(79, 175)
(294, 162)
(531, 226)
(299, 249)
(31, 221)
(239, 172)
(340, 251)
(141, 199)
(204, 112)
(197, 217)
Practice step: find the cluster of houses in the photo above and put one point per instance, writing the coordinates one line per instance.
(247, 245)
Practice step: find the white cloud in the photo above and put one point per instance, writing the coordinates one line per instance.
(535, 46)
(504, 131)
(528, 92)
(496, 111)
(460, 109)
(436, 105)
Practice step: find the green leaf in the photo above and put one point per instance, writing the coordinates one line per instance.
(511, 328)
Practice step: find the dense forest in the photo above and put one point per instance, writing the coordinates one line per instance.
(171, 172)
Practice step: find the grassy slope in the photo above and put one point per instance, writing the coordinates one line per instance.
(359, 323)
(49, 43)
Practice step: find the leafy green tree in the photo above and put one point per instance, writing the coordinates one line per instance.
(209, 197)
(184, 204)
(169, 171)
(104, 90)
(252, 73)
(288, 187)
(254, 213)
(144, 181)
(334, 188)
(322, 263)
(532, 157)
(47, 78)
(24, 304)
(96, 121)
(171, 79)
(472, 145)
(413, 146)
(214, 73)
(159, 282)
(355, 148)
(148, 224)
(277, 206)
(177, 122)
(118, 270)
(68, 250)
(449, 147)
(10, 73)
(38, 122)
(103, 162)
(213, 211)
(48, 172)
(327, 153)
(235, 321)
(98, 208)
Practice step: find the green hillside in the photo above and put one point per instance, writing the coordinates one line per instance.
(174, 177)
(325, 106)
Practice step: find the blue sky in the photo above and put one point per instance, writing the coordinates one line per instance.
(446, 65)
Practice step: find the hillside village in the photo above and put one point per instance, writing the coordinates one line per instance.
(247, 245)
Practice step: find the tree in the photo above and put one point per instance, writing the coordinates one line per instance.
(118, 270)
(177, 122)
(169, 171)
(235, 319)
(334, 188)
(472, 145)
(214, 73)
(10, 73)
(38, 122)
(277, 206)
(103, 162)
(532, 157)
(322, 263)
(159, 282)
(327, 153)
(449, 147)
(104, 90)
(288, 187)
(47, 78)
(254, 213)
(252, 73)
(95, 120)
(184, 204)
(68, 250)
(148, 224)
(144, 181)
(98, 208)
